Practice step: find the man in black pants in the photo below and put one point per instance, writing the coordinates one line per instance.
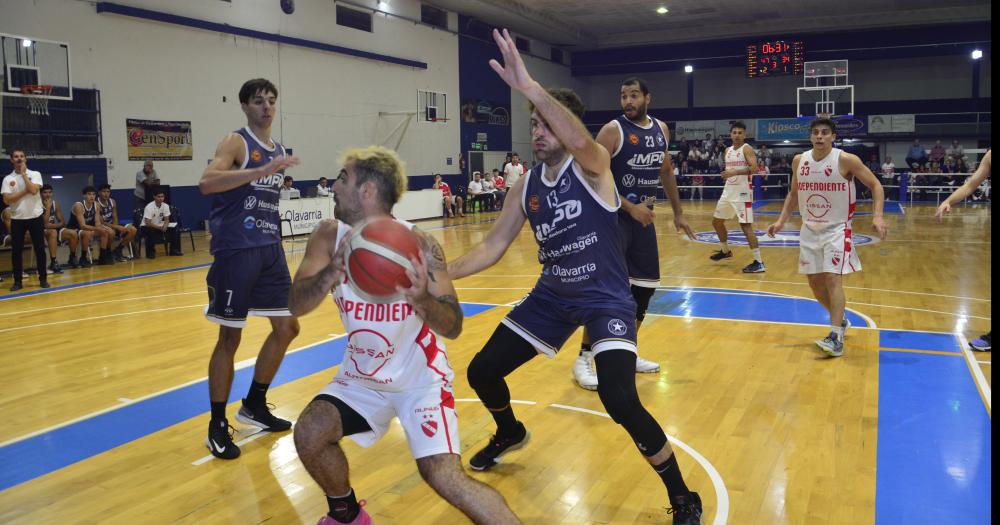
(21, 191)
(572, 204)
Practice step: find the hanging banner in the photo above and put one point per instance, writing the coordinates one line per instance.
(159, 139)
(798, 129)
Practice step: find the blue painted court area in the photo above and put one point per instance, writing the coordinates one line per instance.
(919, 341)
(723, 303)
(53, 450)
(934, 441)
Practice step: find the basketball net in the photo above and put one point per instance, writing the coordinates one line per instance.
(38, 98)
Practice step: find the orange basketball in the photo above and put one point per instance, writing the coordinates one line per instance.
(378, 256)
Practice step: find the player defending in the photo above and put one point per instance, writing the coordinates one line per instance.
(639, 162)
(572, 204)
(737, 198)
(249, 275)
(823, 188)
(109, 217)
(983, 172)
(414, 384)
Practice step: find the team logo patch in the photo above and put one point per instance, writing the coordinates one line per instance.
(783, 239)
(255, 156)
(659, 140)
(828, 171)
(836, 260)
(633, 139)
(617, 327)
(249, 222)
(564, 184)
(533, 204)
(429, 426)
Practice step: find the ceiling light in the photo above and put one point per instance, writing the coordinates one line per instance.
(662, 10)
(26, 42)
(977, 54)
(688, 69)
(786, 141)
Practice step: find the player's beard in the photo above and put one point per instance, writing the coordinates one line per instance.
(553, 154)
(640, 113)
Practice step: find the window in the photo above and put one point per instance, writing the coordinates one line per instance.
(352, 18)
(433, 16)
(556, 55)
(523, 44)
(431, 106)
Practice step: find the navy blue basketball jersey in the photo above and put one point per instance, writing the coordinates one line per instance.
(107, 210)
(247, 216)
(88, 216)
(636, 165)
(579, 246)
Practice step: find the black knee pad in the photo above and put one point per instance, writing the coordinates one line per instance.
(642, 296)
(616, 387)
(503, 353)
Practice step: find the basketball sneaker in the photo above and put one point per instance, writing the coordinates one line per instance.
(645, 366)
(831, 345)
(583, 371)
(754, 267)
(72, 261)
(490, 455)
(720, 255)
(686, 509)
(54, 267)
(220, 440)
(361, 519)
(983, 344)
(262, 417)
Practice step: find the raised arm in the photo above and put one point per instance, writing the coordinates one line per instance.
(499, 238)
(321, 269)
(220, 176)
(431, 292)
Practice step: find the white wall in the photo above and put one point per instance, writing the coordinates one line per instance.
(327, 101)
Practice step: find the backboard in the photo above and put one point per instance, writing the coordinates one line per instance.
(28, 60)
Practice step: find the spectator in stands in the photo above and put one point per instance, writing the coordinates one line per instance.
(683, 147)
(764, 156)
(287, 191)
(696, 157)
(56, 231)
(323, 188)
(957, 153)
(452, 203)
(156, 227)
(476, 194)
(916, 156)
(872, 163)
(146, 178)
(888, 169)
(513, 170)
(490, 185)
(21, 192)
(937, 152)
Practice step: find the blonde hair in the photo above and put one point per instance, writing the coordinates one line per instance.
(381, 166)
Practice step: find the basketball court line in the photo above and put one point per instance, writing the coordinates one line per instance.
(107, 302)
(64, 287)
(984, 386)
(67, 321)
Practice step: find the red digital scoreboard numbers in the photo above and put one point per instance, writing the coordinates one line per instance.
(774, 58)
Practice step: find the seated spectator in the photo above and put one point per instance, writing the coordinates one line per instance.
(957, 152)
(452, 203)
(916, 156)
(937, 152)
(287, 191)
(85, 222)
(476, 193)
(873, 163)
(490, 185)
(56, 232)
(157, 227)
(888, 169)
(109, 218)
(323, 188)
(764, 156)
(684, 148)
(949, 166)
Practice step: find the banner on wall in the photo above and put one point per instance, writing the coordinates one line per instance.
(798, 129)
(694, 129)
(485, 112)
(891, 124)
(159, 139)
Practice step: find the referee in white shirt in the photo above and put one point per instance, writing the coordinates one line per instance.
(22, 192)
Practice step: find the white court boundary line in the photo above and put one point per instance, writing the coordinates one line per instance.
(237, 366)
(977, 373)
(28, 327)
(721, 493)
(105, 302)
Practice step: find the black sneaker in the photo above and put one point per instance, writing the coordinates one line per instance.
(86, 263)
(754, 267)
(220, 440)
(490, 455)
(686, 509)
(72, 262)
(54, 267)
(119, 256)
(262, 417)
(983, 343)
(720, 255)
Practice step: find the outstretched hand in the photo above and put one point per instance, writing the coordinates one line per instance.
(512, 71)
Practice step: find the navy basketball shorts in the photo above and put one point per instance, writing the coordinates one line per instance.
(548, 324)
(642, 255)
(253, 281)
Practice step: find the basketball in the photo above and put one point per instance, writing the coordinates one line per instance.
(378, 256)
(288, 6)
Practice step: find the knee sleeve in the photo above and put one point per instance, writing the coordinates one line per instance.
(616, 387)
(504, 352)
(642, 296)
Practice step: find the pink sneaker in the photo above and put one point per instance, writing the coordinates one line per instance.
(362, 519)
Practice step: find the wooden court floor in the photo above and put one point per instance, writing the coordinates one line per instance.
(105, 401)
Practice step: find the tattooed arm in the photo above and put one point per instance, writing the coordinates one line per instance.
(321, 269)
(432, 293)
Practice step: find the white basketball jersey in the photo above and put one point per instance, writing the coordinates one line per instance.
(389, 347)
(737, 188)
(825, 197)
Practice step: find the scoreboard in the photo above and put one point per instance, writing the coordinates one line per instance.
(774, 58)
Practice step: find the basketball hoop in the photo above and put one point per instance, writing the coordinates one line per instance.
(38, 97)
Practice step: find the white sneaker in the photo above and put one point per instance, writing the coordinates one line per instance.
(584, 373)
(645, 366)
(846, 323)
